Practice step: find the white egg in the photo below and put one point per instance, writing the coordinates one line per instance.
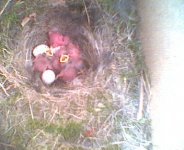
(48, 77)
(40, 49)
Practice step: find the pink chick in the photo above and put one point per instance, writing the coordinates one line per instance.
(66, 40)
(56, 64)
(41, 63)
(61, 51)
(73, 52)
(56, 39)
(68, 74)
(75, 56)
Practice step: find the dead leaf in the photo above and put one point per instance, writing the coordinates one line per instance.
(32, 16)
(25, 21)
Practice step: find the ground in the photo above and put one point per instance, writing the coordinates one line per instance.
(108, 111)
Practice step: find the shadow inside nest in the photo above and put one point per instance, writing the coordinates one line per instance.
(50, 29)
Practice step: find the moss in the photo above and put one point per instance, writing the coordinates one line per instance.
(72, 131)
(54, 129)
(75, 148)
(10, 18)
(33, 124)
(15, 137)
(10, 101)
(112, 147)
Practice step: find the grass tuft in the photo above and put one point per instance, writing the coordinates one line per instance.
(112, 147)
(70, 131)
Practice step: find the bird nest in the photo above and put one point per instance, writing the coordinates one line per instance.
(93, 43)
(64, 22)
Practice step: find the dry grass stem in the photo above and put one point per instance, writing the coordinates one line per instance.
(5, 6)
(86, 10)
(5, 91)
(141, 100)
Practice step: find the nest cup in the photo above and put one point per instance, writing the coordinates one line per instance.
(67, 22)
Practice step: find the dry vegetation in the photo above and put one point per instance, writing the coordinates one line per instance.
(108, 110)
